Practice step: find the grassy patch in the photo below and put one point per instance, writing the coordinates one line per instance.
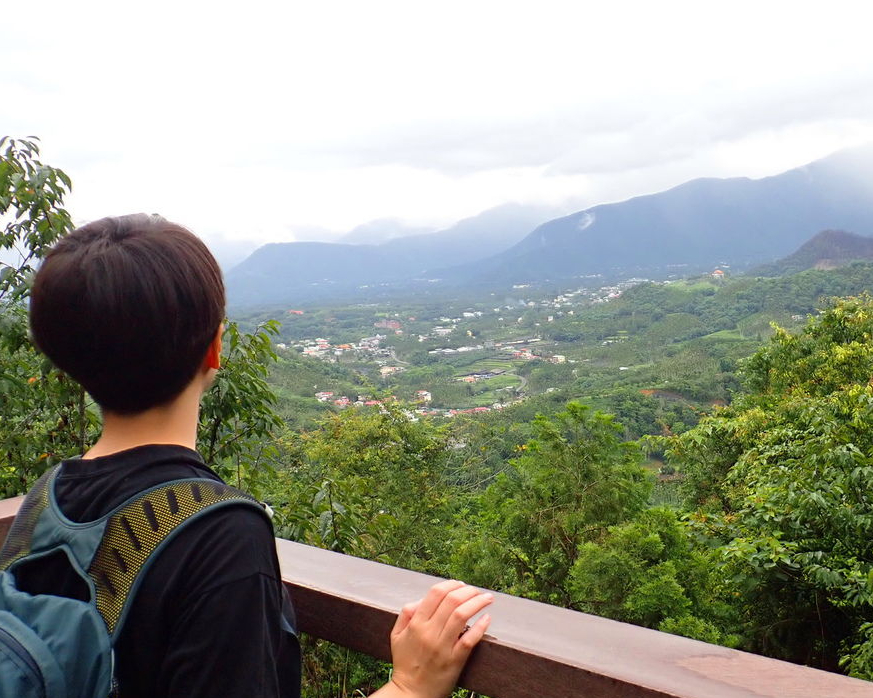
(726, 334)
(697, 284)
(505, 380)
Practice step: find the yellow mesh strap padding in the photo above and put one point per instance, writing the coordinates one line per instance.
(134, 533)
(20, 537)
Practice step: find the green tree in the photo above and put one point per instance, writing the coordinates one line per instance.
(573, 481)
(370, 482)
(31, 206)
(786, 472)
(44, 416)
(650, 572)
(237, 415)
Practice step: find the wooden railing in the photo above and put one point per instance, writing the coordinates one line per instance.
(533, 649)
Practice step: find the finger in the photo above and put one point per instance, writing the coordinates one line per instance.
(448, 608)
(404, 617)
(435, 596)
(458, 619)
(471, 638)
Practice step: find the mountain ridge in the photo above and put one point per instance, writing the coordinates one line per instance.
(696, 225)
(828, 249)
(284, 272)
(702, 222)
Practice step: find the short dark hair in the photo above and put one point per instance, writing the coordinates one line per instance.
(127, 307)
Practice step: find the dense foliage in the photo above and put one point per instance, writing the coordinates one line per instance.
(782, 480)
(369, 482)
(572, 481)
(43, 415)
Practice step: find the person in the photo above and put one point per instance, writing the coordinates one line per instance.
(132, 308)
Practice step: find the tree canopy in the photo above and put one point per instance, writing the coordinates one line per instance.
(782, 480)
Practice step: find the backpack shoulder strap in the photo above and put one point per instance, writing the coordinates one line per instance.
(19, 540)
(137, 531)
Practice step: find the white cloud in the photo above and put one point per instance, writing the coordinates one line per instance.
(248, 121)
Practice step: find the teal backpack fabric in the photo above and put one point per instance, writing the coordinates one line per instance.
(58, 647)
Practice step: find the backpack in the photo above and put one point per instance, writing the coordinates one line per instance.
(59, 647)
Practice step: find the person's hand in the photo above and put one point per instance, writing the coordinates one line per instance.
(431, 640)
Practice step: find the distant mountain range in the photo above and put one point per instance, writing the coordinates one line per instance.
(828, 249)
(380, 231)
(298, 271)
(697, 225)
(702, 223)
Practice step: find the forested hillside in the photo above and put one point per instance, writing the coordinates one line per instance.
(826, 250)
(657, 356)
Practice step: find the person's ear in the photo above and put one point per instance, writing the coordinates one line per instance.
(213, 352)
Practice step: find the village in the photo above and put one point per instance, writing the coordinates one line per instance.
(499, 339)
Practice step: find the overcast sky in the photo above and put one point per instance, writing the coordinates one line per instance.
(254, 121)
